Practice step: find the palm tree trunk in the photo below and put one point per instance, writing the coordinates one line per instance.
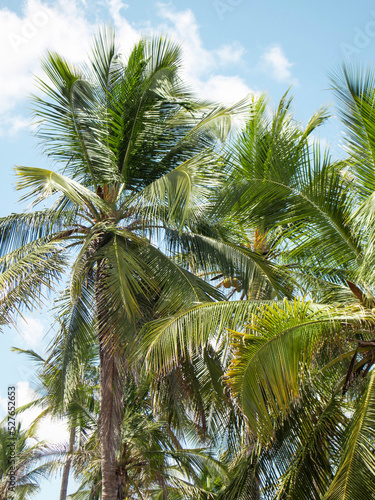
(109, 428)
(66, 470)
(109, 414)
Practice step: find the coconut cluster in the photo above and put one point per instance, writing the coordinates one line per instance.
(232, 283)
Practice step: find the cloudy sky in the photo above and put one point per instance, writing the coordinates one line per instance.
(232, 48)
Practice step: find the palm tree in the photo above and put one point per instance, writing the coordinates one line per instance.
(288, 375)
(138, 154)
(22, 463)
(328, 235)
(153, 462)
(68, 383)
(301, 373)
(266, 160)
(283, 185)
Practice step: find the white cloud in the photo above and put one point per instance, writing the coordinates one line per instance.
(183, 28)
(126, 35)
(31, 332)
(274, 60)
(63, 26)
(12, 123)
(52, 430)
(41, 27)
(115, 8)
(25, 38)
(201, 66)
(198, 61)
(224, 89)
(231, 53)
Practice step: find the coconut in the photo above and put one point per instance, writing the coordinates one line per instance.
(227, 283)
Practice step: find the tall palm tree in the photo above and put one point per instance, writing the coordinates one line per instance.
(327, 229)
(137, 154)
(301, 373)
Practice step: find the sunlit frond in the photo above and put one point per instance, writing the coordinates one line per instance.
(273, 357)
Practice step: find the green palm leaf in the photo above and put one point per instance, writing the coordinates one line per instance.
(273, 358)
(165, 341)
(355, 473)
(44, 183)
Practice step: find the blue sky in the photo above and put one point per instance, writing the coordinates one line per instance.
(231, 48)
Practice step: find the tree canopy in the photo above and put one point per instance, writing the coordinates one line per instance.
(212, 286)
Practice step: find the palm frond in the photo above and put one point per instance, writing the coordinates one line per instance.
(273, 357)
(230, 259)
(165, 341)
(37, 268)
(355, 91)
(355, 473)
(44, 183)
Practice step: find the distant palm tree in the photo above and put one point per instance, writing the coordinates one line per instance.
(153, 463)
(22, 464)
(68, 388)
